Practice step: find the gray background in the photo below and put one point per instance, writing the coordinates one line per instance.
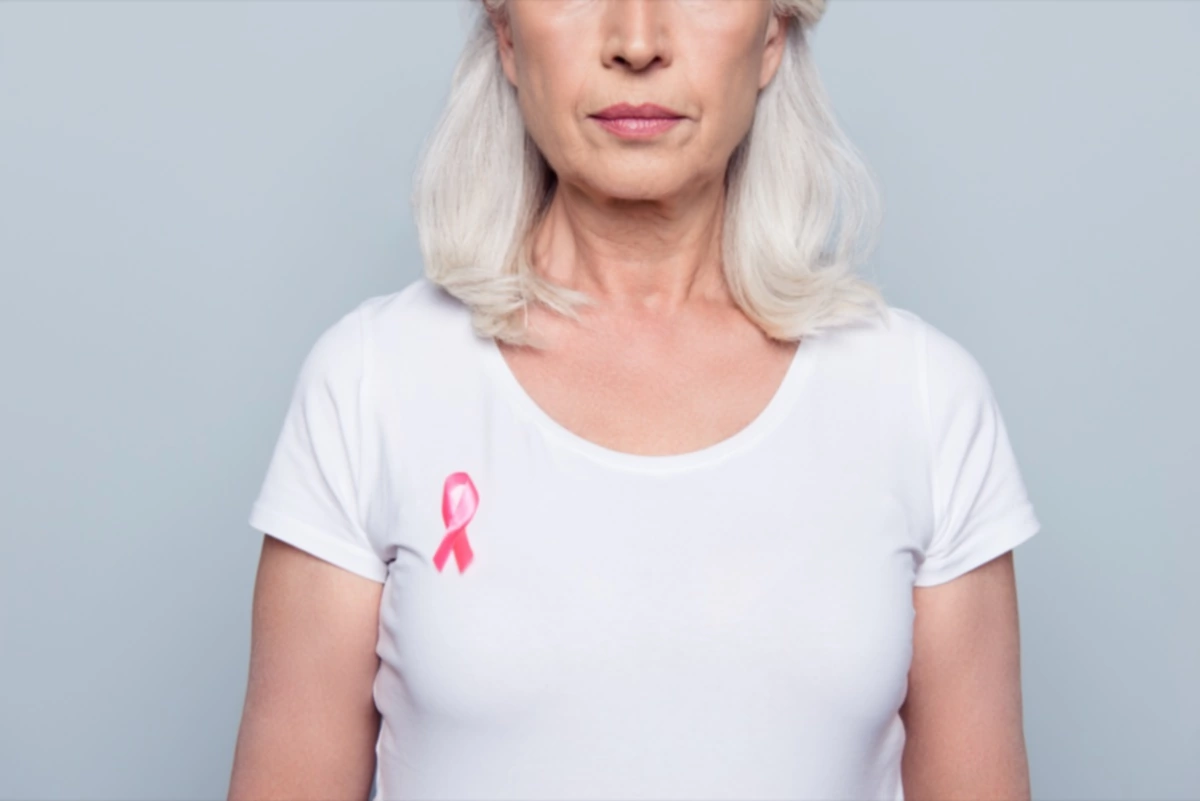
(191, 192)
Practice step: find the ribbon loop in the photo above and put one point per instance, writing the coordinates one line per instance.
(460, 499)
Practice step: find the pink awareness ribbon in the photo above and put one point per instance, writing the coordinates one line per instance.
(459, 502)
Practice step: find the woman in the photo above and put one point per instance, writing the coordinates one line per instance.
(640, 492)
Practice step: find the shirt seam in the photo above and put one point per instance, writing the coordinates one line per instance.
(930, 444)
(361, 404)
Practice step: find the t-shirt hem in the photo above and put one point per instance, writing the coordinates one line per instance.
(994, 540)
(317, 542)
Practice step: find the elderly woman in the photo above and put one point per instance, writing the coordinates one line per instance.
(639, 491)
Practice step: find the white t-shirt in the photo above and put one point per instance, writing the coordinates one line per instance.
(733, 622)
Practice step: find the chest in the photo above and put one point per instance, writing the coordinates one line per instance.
(652, 402)
(778, 579)
(583, 592)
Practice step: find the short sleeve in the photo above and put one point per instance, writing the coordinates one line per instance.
(981, 508)
(309, 496)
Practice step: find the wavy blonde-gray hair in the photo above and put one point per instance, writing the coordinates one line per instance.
(802, 208)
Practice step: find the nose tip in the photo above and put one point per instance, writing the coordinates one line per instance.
(637, 62)
(637, 34)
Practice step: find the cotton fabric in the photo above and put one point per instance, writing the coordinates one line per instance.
(734, 622)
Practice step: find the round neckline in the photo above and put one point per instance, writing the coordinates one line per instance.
(776, 409)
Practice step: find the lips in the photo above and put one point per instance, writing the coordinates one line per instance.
(646, 121)
(646, 111)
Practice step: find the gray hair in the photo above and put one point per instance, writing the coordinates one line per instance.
(802, 207)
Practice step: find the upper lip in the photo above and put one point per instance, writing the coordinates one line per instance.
(644, 111)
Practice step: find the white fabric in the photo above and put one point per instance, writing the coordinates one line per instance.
(735, 622)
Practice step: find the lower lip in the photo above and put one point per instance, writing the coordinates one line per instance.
(638, 127)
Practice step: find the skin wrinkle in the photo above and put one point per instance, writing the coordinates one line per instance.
(630, 224)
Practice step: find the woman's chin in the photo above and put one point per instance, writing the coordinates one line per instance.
(636, 182)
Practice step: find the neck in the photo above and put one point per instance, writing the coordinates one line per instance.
(637, 255)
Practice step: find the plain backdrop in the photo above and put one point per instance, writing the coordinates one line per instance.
(190, 192)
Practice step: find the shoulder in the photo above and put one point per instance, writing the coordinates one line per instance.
(419, 312)
(420, 304)
(935, 354)
(418, 346)
(382, 330)
(888, 343)
(948, 369)
(897, 327)
(952, 388)
(421, 317)
(903, 354)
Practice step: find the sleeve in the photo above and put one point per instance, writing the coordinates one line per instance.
(981, 508)
(309, 497)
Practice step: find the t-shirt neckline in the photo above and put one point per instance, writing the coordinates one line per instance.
(777, 408)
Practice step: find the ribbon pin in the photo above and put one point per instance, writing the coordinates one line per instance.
(459, 501)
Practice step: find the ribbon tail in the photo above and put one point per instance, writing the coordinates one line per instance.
(454, 541)
(462, 551)
(443, 551)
